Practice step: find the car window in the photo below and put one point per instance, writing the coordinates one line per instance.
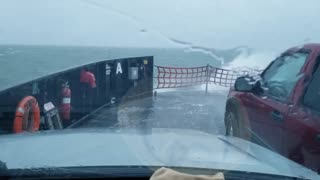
(280, 78)
(312, 94)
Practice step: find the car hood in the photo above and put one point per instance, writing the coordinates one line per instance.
(154, 147)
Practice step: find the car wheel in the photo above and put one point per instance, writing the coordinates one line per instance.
(231, 123)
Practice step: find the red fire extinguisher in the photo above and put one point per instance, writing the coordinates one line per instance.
(65, 107)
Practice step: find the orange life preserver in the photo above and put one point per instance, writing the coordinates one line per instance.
(88, 77)
(23, 118)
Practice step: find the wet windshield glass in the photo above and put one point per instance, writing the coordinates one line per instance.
(214, 84)
(285, 73)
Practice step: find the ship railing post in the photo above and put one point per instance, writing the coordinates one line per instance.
(207, 78)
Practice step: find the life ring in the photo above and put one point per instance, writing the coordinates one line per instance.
(23, 120)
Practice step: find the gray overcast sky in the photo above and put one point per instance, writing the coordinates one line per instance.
(261, 24)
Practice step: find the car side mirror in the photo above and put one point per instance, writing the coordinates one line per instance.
(244, 84)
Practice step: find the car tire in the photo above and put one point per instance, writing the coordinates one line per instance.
(232, 122)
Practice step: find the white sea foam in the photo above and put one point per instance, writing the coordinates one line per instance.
(251, 61)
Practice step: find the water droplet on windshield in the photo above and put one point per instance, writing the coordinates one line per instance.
(306, 119)
(143, 30)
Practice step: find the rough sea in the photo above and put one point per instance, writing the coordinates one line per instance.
(20, 63)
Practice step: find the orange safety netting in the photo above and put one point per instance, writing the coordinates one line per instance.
(175, 77)
(170, 77)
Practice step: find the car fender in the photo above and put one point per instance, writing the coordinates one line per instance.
(244, 123)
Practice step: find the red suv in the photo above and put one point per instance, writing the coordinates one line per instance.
(280, 109)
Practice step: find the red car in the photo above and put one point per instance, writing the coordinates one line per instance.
(280, 109)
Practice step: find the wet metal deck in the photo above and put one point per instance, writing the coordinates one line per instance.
(176, 109)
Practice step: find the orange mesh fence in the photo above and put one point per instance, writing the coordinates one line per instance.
(175, 77)
(170, 77)
(224, 77)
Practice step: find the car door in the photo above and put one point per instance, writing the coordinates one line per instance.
(267, 110)
(302, 130)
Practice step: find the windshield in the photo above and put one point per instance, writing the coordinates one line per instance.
(215, 84)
